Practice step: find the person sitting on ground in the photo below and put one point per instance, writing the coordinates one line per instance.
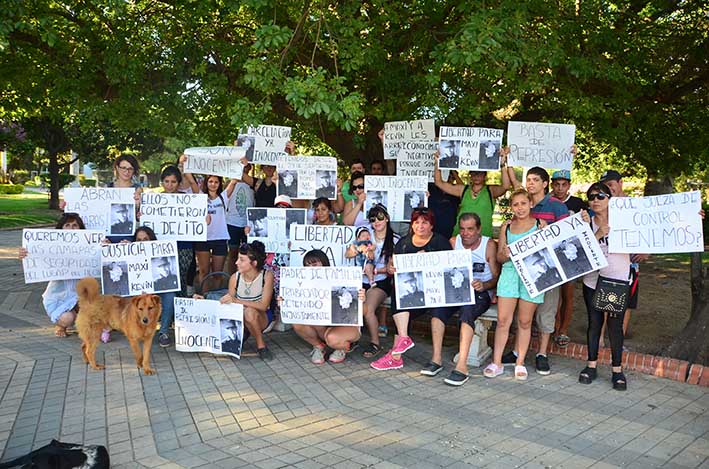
(338, 338)
(60, 299)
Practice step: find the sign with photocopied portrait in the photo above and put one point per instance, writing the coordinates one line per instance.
(208, 326)
(129, 269)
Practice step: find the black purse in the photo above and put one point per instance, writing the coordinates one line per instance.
(611, 296)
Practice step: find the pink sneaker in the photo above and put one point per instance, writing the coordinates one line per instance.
(387, 362)
(402, 344)
(106, 336)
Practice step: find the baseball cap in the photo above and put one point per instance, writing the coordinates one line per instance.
(561, 174)
(611, 175)
(282, 200)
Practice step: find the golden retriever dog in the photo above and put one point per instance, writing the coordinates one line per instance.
(136, 317)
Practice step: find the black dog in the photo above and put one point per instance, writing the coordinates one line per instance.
(58, 455)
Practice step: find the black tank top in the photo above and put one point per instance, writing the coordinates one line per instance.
(265, 195)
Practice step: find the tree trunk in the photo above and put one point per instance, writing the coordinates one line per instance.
(54, 180)
(55, 141)
(691, 344)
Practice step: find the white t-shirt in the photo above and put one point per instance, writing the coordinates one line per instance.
(241, 199)
(618, 267)
(217, 209)
(379, 262)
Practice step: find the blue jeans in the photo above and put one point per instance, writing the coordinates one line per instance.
(168, 311)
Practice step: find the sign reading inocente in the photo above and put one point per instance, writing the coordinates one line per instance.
(215, 161)
(208, 326)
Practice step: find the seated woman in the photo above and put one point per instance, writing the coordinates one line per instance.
(60, 299)
(338, 338)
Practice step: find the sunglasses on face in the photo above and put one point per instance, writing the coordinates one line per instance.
(358, 186)
(379, 216)
(599, 196)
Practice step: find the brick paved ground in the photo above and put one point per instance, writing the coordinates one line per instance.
(205, 411)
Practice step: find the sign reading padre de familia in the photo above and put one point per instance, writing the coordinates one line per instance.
(657, 224)
(540, 144)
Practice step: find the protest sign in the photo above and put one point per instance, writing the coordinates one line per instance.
(469, 148)
(129, 269)
(321, 296)
(272, 226)
(397, 135)
(109, 209)
(333, 240)
(182, 217)
(264, 144)
(208, 326)
(562, 251)
(658, 224)
(307, 177)
(215, 161)
(540, 144)
(61, 254)
(401, 195)
(416, 159)
(431, 279)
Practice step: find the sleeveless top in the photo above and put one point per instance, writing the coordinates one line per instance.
(483, 205)
(512, 237)
(265, 195)
(481, 269)
(250, 291)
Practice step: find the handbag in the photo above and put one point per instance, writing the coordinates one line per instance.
(611, 295)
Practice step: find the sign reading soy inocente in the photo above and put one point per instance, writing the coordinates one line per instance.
(540, 144)
(216, 161)
(401, 195)
(657, 224)
(208, 326)
(182, 217)
(61, 254)
(129, 269)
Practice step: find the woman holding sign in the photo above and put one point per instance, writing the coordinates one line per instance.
(353, 214)
(619, 269)
(511, 292)
(125, 171)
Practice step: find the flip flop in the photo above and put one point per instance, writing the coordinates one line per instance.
(493, 371)
(521, 373)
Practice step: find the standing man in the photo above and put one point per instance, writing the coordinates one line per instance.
(550, 210)
(560, 184)
(486, 271)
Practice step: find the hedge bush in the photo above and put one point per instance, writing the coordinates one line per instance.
(20, 176)
(11, 188)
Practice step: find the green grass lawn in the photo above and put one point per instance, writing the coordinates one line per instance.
(25, 210)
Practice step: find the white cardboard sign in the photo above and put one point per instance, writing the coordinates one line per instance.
(182, 217)
(129, 269)
(307, 177)
(401, 195)
(272, 226)
(215, 161)
(264, 144)
(109, 209)
(540, 144)
(470, 148)
(208, 326)
(61, 254)
(333, 240)
(398, 135)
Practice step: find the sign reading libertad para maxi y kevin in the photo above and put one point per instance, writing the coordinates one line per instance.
(307, 177)
(658, 224)
(264, 144)
(129, 269)
(61, 254)
(430, 279)
(215, 161)
(401, 195)
(109, 209)
(540, 144)
(182, 217)
(400, 135)
(469, 148)
(321, 296)
(208, 326)
(562, 251)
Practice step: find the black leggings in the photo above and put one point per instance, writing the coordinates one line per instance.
(595, 323)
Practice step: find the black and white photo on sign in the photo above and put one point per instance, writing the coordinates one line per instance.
(432, 279)
(165, 273)
(248, 143)
(327, 184)
(402, 134)
(542, 270)
(409, 288)
(344, 305)
(231, 334)
(209, 326)
(271, 226)
(114, 276)
(61, 254)
(572, 257)
(560, 252)
(417, 159)
(540, 144)
(457, 285)
(475, 148)
(399, 194)
(294, 217)
(258, 222)
(182, 217)
(333, 240)
(145, 267)
(122, 219)
(215, 161)
(668, 223)
(93, 204)
(321, 296)
(288, 183)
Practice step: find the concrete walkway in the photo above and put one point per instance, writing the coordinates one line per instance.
(205, 411)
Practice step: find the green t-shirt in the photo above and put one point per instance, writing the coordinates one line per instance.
(346, 192)
(483, 205)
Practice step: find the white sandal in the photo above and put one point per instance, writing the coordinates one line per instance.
(493, 371)
(521, 373)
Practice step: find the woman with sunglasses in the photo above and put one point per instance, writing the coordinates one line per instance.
(252, 286)
(618, 268)
(421, 238)
(353, 214)
(511, 292)
(338, 338)
(384, 239)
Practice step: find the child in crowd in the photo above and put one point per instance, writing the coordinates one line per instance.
(365, 253)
